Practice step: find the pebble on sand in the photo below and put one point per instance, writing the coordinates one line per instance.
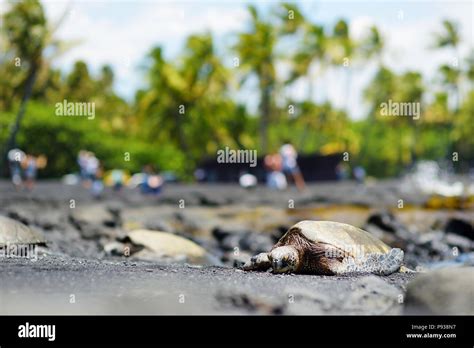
(15, 232)
(163, 246)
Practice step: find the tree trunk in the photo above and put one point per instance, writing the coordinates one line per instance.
(311, 90)
(182, 143)
(348, 89)
(264, 118)
(400, 149)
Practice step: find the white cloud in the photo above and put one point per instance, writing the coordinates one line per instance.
(360, 26)
(124, 43)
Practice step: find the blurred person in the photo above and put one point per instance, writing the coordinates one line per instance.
(117, 177)
(152, 181)
(200, 175)
(82, 162)
(91, 172)
(97, 185)
(342, 171)
(30, 165)
(290, 165)
(359, 174)
(15, 159)
(275, 178)
(91, 168)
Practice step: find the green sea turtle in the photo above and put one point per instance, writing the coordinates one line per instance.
(14, 232)
(328, 248)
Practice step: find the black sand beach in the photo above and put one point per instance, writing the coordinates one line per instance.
(74, 273)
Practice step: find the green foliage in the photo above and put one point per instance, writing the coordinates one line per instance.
(449, 36)
(464, 126)
(186, 105)
(60, 138)
(25, 27)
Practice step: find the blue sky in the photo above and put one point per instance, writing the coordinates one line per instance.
(120, 33)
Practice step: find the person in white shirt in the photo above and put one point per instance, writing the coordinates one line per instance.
(290, 165)
(15, 158)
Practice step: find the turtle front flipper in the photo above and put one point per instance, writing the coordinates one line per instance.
(376, 263)
(259, 262)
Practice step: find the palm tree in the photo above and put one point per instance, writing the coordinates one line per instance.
(256, 50)
(450, 77)
(372, 45)
(159, 105)
(313, 52)
(410, 88)
(25, 27)
(207, 80)
(470, 68)
(29, 35)
(185, 104)
(79, 83)
(290, 19)
(380, 89)
(342, 50)
(308, 62)
(450, 38)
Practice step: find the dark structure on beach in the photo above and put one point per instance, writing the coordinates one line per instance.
(314, 168)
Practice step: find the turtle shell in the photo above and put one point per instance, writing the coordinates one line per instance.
(350, 239)
(14, 232)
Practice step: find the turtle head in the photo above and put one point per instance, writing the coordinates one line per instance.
(284, 259)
